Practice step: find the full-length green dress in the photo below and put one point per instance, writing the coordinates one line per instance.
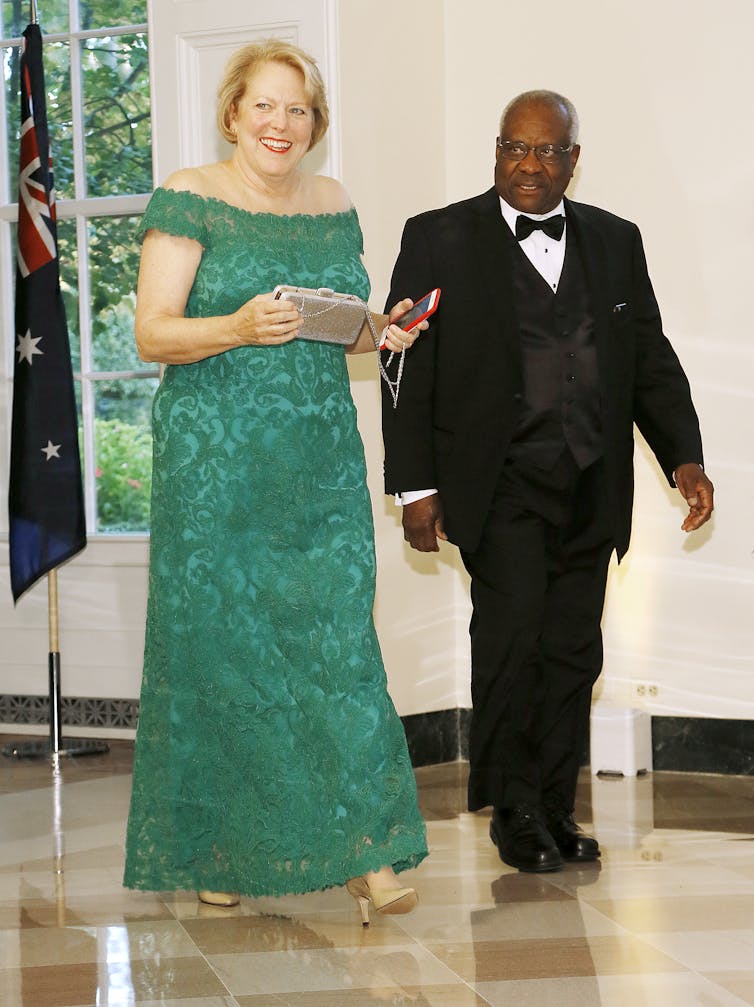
(269, 756)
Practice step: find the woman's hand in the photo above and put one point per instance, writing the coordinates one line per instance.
(266, 321)
(393, 337)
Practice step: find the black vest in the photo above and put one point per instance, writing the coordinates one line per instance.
(561, 398)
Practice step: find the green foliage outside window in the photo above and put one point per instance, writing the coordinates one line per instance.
(123, 474)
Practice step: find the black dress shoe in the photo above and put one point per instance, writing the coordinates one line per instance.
(571, 840)
(523, 841)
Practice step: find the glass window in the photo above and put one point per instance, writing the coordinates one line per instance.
(116, 114)
(96, 62)
(15, 14)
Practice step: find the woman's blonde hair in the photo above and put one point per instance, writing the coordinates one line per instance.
(243, 64)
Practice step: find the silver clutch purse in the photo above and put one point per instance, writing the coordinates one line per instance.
(339, 318)
(329, 317)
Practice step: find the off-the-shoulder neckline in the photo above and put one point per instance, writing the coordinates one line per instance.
(259, 213)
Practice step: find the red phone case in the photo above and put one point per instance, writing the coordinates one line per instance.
(434, 296)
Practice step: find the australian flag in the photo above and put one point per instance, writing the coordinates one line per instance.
(45, 497)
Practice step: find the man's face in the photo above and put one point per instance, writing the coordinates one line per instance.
(529, 185)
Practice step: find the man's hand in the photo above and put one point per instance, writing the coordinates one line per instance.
(697, 491)
(423, 523)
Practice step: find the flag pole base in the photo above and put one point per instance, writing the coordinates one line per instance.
(45, 749)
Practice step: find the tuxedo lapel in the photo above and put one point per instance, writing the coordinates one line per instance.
(493, 260)
(595, 253)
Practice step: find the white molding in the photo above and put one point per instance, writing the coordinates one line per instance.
(95, 206)
(331, 73)
(190, 48)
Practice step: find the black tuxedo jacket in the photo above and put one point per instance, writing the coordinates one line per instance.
(462, 386)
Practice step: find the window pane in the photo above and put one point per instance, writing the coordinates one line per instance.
(123, 447)
(52, 15)
(11, 62)
(114, 250)
(116, 115)
(58, 85)
(59, 121)
(69, 285)
(108, 13)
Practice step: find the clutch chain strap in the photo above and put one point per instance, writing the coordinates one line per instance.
(393, 386)
(311, 314)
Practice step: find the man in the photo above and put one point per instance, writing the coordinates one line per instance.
(513, 438)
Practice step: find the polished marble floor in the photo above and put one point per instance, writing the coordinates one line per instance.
(665, 920)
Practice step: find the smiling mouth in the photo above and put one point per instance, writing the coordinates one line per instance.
(277, 146)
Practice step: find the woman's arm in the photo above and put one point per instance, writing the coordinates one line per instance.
(163, 335)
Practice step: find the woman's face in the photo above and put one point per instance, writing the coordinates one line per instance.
(273, 120)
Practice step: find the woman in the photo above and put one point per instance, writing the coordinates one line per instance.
(269, 757)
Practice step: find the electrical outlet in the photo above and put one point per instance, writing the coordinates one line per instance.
(646, 690)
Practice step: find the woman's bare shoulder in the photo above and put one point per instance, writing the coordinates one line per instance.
(203, 180)
(330, 195)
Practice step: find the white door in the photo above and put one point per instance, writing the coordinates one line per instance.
(190, 43)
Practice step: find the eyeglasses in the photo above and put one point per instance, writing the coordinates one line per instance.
(545, 153)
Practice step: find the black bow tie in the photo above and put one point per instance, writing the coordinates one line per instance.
(553, 227)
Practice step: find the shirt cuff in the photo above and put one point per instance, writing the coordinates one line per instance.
(411, 495)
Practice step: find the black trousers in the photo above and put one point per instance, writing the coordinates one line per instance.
(538, 584)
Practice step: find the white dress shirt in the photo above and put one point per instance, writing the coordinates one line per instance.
(544, 253)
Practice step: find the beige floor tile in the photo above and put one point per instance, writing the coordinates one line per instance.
(185, 905)
(68, 881)
(391, 996)
(115, 984)
(249, 934)
(78, 945)
(507, 921)
(741, 860)
(486, 961)
(122, 907)
(741, 984)
(456, 889)
(191, 1002)
(682, 912)
(708, 950)
(107, 856)
(344, 968)
(657, 990)
(657, 880)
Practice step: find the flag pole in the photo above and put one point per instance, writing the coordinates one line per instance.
(73, 746)
(33, 13)
(53, 664)
(46, 523)
(55, 747)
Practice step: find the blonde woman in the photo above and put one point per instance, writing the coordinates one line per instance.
(269, 757)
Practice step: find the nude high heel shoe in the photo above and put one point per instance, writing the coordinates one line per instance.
(224, 899)
(388, 901)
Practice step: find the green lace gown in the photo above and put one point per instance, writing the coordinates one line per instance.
(269, 756)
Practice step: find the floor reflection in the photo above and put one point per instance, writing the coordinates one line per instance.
(665, 918)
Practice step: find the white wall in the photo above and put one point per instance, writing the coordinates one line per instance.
(663, 91)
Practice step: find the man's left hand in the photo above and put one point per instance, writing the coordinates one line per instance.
(697, 491)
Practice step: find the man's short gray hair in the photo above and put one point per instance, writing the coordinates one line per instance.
(548, 98)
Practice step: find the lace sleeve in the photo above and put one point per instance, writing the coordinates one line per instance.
(175, 212)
